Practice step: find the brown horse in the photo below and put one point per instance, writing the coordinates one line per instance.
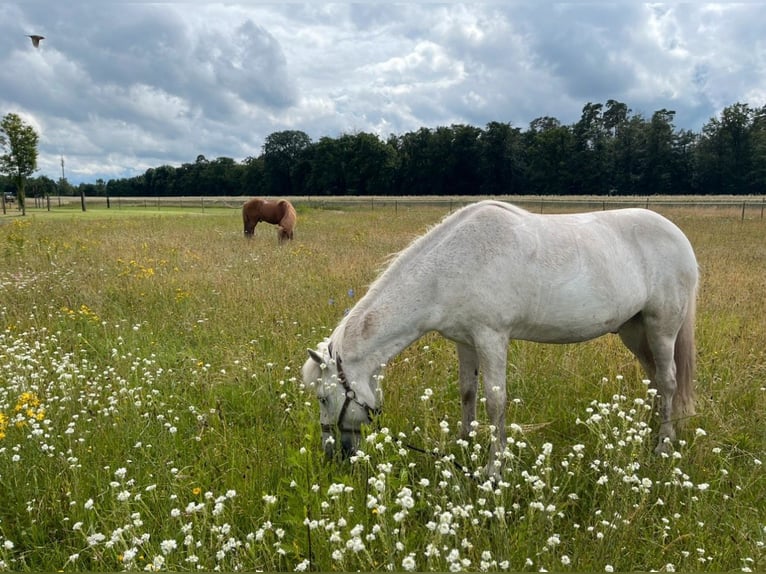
(280, 213)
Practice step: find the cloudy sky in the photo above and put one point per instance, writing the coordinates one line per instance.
(118, 87)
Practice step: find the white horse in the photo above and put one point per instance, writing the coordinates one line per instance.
(492, 272)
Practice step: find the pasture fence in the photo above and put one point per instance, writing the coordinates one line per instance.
(739, 207)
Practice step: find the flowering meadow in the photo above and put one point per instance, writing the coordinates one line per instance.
(152, 415)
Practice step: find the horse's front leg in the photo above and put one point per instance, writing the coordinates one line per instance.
(665, 382)
(493, 357)
(250, 229)
(468, 368)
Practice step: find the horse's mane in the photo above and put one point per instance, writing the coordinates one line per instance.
(434, 234)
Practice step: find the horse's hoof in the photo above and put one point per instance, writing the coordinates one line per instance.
(664, 446)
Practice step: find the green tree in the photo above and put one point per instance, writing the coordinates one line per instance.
(328, 168)
(371, 164)
(615, 116)
(285, 162)
(253, 179)
(18, 142)
(417, 162)
(758, 152)
(725, 151)
(461, 161)
(590, 152)
(45, 185)
(226, 176)
(502, 159)
(624, 141)
(657, 177)
(736, 123)
(550, 150)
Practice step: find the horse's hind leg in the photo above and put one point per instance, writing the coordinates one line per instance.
(653, 345)
(283, 235)
(662, 346)
(633, 336)
(469, 379)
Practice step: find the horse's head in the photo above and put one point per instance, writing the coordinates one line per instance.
(342, 406)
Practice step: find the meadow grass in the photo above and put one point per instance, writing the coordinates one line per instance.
(152, 417)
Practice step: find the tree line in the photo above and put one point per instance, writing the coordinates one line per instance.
(609, 151)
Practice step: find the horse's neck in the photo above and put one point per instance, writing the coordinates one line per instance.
(377, 329)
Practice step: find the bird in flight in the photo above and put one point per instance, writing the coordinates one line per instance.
(36, 39)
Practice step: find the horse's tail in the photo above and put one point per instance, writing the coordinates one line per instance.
(287, 223)
(686, 360)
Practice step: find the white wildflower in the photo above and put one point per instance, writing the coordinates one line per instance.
(408, 564)
(269, 499)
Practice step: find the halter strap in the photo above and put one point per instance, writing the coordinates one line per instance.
(350, 398)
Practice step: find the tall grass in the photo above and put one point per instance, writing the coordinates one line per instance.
(151, 413)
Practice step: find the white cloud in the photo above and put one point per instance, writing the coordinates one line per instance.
(119, 87)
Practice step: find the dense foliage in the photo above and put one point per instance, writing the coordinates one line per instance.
(18, 152)
(610, 150)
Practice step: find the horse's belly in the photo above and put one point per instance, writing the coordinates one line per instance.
(572, 322)
(563, 332)
(577, 327)
(573, 319)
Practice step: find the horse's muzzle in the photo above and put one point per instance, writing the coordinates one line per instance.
(340, 442)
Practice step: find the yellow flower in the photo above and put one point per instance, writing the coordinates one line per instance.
(196, 491)
(182, 295)
(29, 404)
(26, 400)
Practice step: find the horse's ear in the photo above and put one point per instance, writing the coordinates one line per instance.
(315, 356)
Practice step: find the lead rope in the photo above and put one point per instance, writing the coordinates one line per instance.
(435, 456)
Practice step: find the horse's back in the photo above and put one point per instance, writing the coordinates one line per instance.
(252, 203)
(251, 208)
(611, 233)
(633, 242)
(550, 278)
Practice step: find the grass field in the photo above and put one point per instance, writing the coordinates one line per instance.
(152, 417)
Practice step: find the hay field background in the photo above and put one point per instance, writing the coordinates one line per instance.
(151, 415)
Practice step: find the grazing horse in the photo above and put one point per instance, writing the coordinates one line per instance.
(492, 272)
(280, 213)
